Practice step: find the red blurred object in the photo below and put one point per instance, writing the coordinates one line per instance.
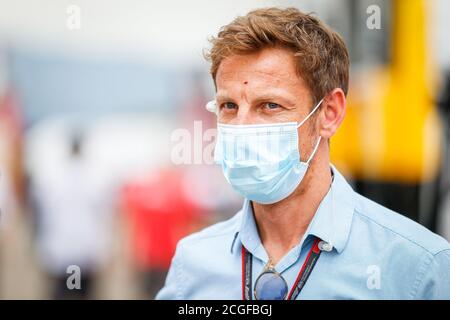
(161, 213)
(11, 121)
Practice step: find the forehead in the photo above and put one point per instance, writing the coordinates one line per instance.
(270, 66)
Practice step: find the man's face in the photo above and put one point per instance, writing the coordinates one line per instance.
(263, 87)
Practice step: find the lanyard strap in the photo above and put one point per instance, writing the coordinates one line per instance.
(246, 275)
(299, 283)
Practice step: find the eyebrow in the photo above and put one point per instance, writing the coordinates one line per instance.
(266, 97)
(275, 97)
(223, 97)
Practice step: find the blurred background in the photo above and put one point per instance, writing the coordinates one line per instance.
(104, 139)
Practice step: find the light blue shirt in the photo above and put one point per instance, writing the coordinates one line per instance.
(377, 254)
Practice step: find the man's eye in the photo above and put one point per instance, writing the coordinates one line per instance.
(229, 105)
(271, 105)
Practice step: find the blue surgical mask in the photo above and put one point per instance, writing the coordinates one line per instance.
(262, 161)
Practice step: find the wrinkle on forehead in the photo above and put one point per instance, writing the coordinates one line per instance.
(246, 76)
(273, 63)
(250, 76)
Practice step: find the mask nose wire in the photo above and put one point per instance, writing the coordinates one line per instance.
(311, 113)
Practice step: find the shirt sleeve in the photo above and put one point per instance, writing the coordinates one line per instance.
(436, 280)
(172, 289)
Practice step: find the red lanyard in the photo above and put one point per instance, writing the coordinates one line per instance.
(299, 283)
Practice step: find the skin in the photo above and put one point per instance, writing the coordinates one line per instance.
(264, 87)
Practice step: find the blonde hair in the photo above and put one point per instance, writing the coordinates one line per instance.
(320, 54)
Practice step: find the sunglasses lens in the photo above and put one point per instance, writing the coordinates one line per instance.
(270, 286)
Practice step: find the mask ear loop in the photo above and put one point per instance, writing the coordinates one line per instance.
(318, 141)
(311, 113)
(314, 151)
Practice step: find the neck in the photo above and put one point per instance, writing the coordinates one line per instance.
(282, 225)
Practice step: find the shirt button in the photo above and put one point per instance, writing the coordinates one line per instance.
(325, 246)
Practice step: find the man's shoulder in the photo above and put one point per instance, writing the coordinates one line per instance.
(399, 226)
(218, 232)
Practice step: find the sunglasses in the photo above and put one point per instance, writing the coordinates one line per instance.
(270, 285)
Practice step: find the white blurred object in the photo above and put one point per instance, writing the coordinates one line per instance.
(76, 198)
(211, 106)
(74, 219)
(115, 147)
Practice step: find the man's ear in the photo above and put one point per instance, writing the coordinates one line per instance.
(332, 113)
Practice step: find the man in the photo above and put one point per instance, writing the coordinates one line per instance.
(303, 233)
(74, 221)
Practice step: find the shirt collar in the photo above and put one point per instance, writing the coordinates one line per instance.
(331, 222)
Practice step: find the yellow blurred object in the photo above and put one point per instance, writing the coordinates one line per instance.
(392, 133)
